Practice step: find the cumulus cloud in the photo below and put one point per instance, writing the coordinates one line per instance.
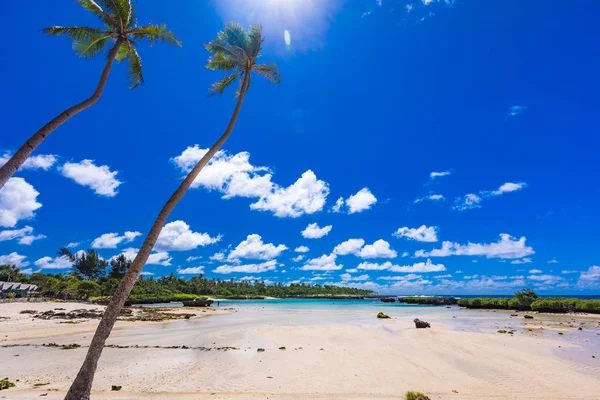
(177, 236)
(509, 187)
(220, 256)
(350, 246)
(41, 161)
(592, 275)
(61, 262)
(156, 258)
(247, 268)
(552, 261)
(546, 279)
(420, 234)
(301, 249)
(467, 202)
(361, 201)
(507, 247)
(111, 240)
(98, 178)
(14, 259)
(235, 176)
(254, 248)
(535, 271)
(420, 267)
(18, 200)
(348, 277)
(323, 263)
(525, 260)
(23, 235)
(431, 197)
(313, 231)
(191, 271)
(72, 245)
(435, 175)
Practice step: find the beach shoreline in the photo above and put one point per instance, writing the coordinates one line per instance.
(323, 351)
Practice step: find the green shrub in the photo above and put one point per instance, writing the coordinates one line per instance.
(382, 316)
(10, 295)
(28, 312)
(5, 384)
(415, 396)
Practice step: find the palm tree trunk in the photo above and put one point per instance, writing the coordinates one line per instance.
(19, 158)
(82, 386)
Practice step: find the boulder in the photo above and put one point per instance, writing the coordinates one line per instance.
(527, 317)
(421, 324)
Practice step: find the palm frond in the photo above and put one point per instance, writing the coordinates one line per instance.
(135, 69)
(90, 47)
(217, 46)
(123, 51)
(154, 33)
(220, 86)
(234, 35)
(94, 8)
(221, 62)
(255, 40)
(239, 90)
(75, 32)
(269, 72)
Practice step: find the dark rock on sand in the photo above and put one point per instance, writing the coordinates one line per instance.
(382, 316)
(421, 324)
(527, 317)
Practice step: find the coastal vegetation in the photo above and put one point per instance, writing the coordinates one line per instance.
(415, 396)
(102, 285)
(433, 301)
(121, 29)
(527, 300)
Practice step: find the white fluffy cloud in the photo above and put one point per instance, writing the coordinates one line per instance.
(247, 268)
(420, 267)
(23, 235)
(468, 202)
(177, 236)
(313, 231)
(361, 201)
(379, 249)
(191, 271)
(72, 245)
(348, 277)
(111, 240)
(298, 258)
(435, 175)
(301, 249)
(14, 259)
(98, 178)
(509, 187)
(507, 247)
(420, 234)
(155, 258)
(323, 263)
(61, 262)
(350, 246)
(18, 200)
(431, 197)
(254, 248)
(535, 271)
(220, 256)
(525, 260)
(41, 161)
(590, 277)
(235, 176)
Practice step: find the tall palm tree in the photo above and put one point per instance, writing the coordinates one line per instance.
(236, 52)
(120, 28)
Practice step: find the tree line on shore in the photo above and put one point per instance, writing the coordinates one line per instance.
(103, 284)
(528, 300)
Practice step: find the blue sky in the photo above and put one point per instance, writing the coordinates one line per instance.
(461, 138)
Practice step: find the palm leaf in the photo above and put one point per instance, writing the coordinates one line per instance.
(269, 72)
(220, 86)
(90, 47)
(75, 32)
(93, 7)
(135, 69)
(123, 51)
(154, 33)
(216, 46)
(234, 35)
(255, 40)
(221, 62)
(239, 90)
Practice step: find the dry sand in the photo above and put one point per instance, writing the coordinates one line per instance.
(346, 359)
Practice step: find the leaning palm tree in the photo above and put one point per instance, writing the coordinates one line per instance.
(236, 52)
(120, 29)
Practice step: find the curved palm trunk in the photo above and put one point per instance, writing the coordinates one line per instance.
(82, 386)
(19, 158)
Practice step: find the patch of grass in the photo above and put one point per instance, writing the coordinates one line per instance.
(6, 384)
(41, 384)
(382, 316)
(28, 312)
(501, 331)
(415, 396)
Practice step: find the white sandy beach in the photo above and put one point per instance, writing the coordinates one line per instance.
(329, 354)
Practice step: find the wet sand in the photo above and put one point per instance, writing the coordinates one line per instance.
(330, 353)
